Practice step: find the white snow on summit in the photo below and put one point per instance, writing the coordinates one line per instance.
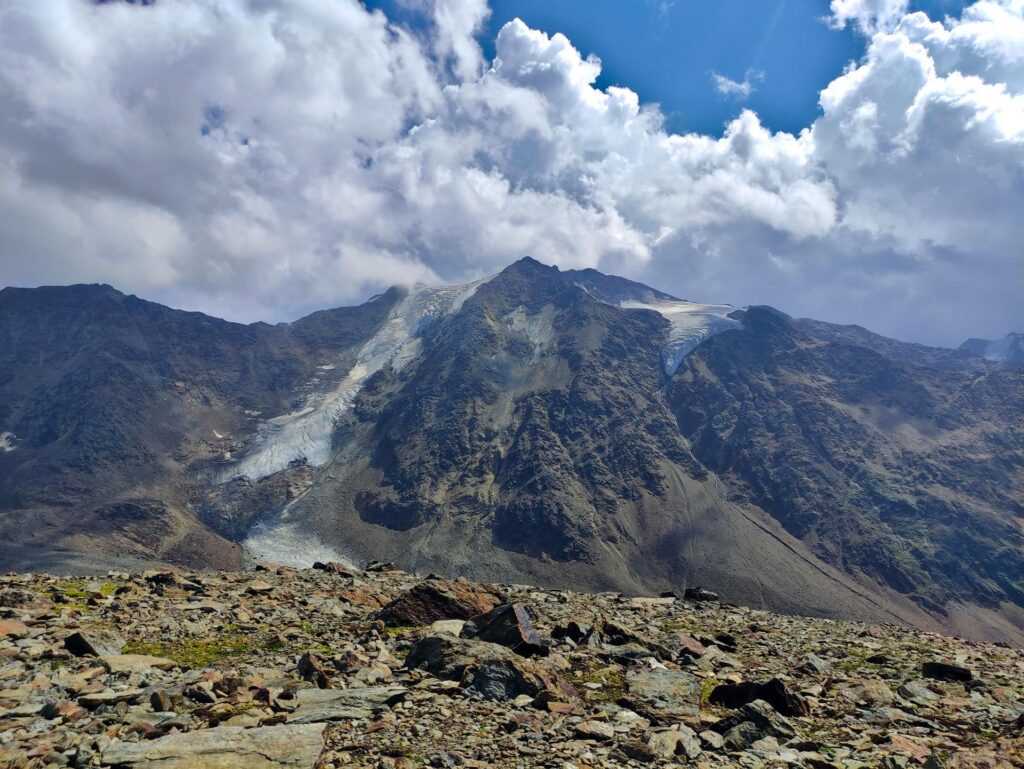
(7, 442)
(306, 433)
(691, 322)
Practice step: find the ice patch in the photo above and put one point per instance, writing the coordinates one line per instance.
(286, 544)
(691, 323)
(306, 434)
(8, 442)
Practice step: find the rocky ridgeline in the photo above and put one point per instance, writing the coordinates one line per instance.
(379, 668)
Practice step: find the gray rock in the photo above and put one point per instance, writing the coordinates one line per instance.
(664, 694)
(763, 717)
(318, 705)
(492, 670)
(225, 747)
(774, 692)
(943, 671)
(94, 643)
(813, 664)
(508, 625)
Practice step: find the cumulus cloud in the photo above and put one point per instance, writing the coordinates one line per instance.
(256, 159)
(868, 16)
(738, 89)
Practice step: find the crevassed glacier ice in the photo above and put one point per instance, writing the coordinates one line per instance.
(306, 433)
(691, 323)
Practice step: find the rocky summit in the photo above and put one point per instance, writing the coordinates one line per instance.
(336, 666)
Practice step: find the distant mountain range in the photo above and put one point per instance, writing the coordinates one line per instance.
(559, 427)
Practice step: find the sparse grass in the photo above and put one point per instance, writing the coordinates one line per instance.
(611, 680)
(230, 644)
(706, 687)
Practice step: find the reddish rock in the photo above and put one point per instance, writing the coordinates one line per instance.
(435, 599)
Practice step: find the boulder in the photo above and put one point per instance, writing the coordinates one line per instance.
(773, 692)
(333, 567)
(435, 599)
(595, 730)
(574, 631)
(763, 720)
(94, 643)
(690, 646)
(664, 695)
(813, 665)
(943, 671)
(319, 705)
(492, 670)
(225, 747)
(508, 625)
(700, 595)
(312, 669)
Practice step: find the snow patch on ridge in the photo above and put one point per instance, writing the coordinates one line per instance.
(691, 324)
(305, 434)
(8, 442)
(287, 544)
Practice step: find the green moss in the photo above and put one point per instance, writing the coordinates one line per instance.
(611, 680)
(205, 652)
(706, 687)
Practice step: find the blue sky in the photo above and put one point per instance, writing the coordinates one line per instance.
(666, 51)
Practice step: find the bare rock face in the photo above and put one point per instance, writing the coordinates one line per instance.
(439, 599)
(225, 747)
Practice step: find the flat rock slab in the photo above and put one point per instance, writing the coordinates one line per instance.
(665, 694)
(225, 747)
(318, 705)
(135, 663)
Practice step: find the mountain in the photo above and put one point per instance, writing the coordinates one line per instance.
(1008, 350)
(566, 428)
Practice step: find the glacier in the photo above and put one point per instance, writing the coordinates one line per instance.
(691, 323)
(305, 434)
(289, 544)
(8, 442)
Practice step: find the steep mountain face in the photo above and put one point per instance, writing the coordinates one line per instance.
(908, 475)
(108, 399)
(568, 428)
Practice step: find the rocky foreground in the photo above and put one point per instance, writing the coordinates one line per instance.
(332, 667)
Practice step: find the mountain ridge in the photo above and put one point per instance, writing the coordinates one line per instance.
(567, 427)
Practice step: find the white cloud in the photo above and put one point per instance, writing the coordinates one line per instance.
(868, 16)
(738, 89)
(256, 159)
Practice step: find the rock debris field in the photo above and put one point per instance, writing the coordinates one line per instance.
(334, 667)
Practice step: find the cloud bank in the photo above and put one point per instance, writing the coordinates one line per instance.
(260, 158)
